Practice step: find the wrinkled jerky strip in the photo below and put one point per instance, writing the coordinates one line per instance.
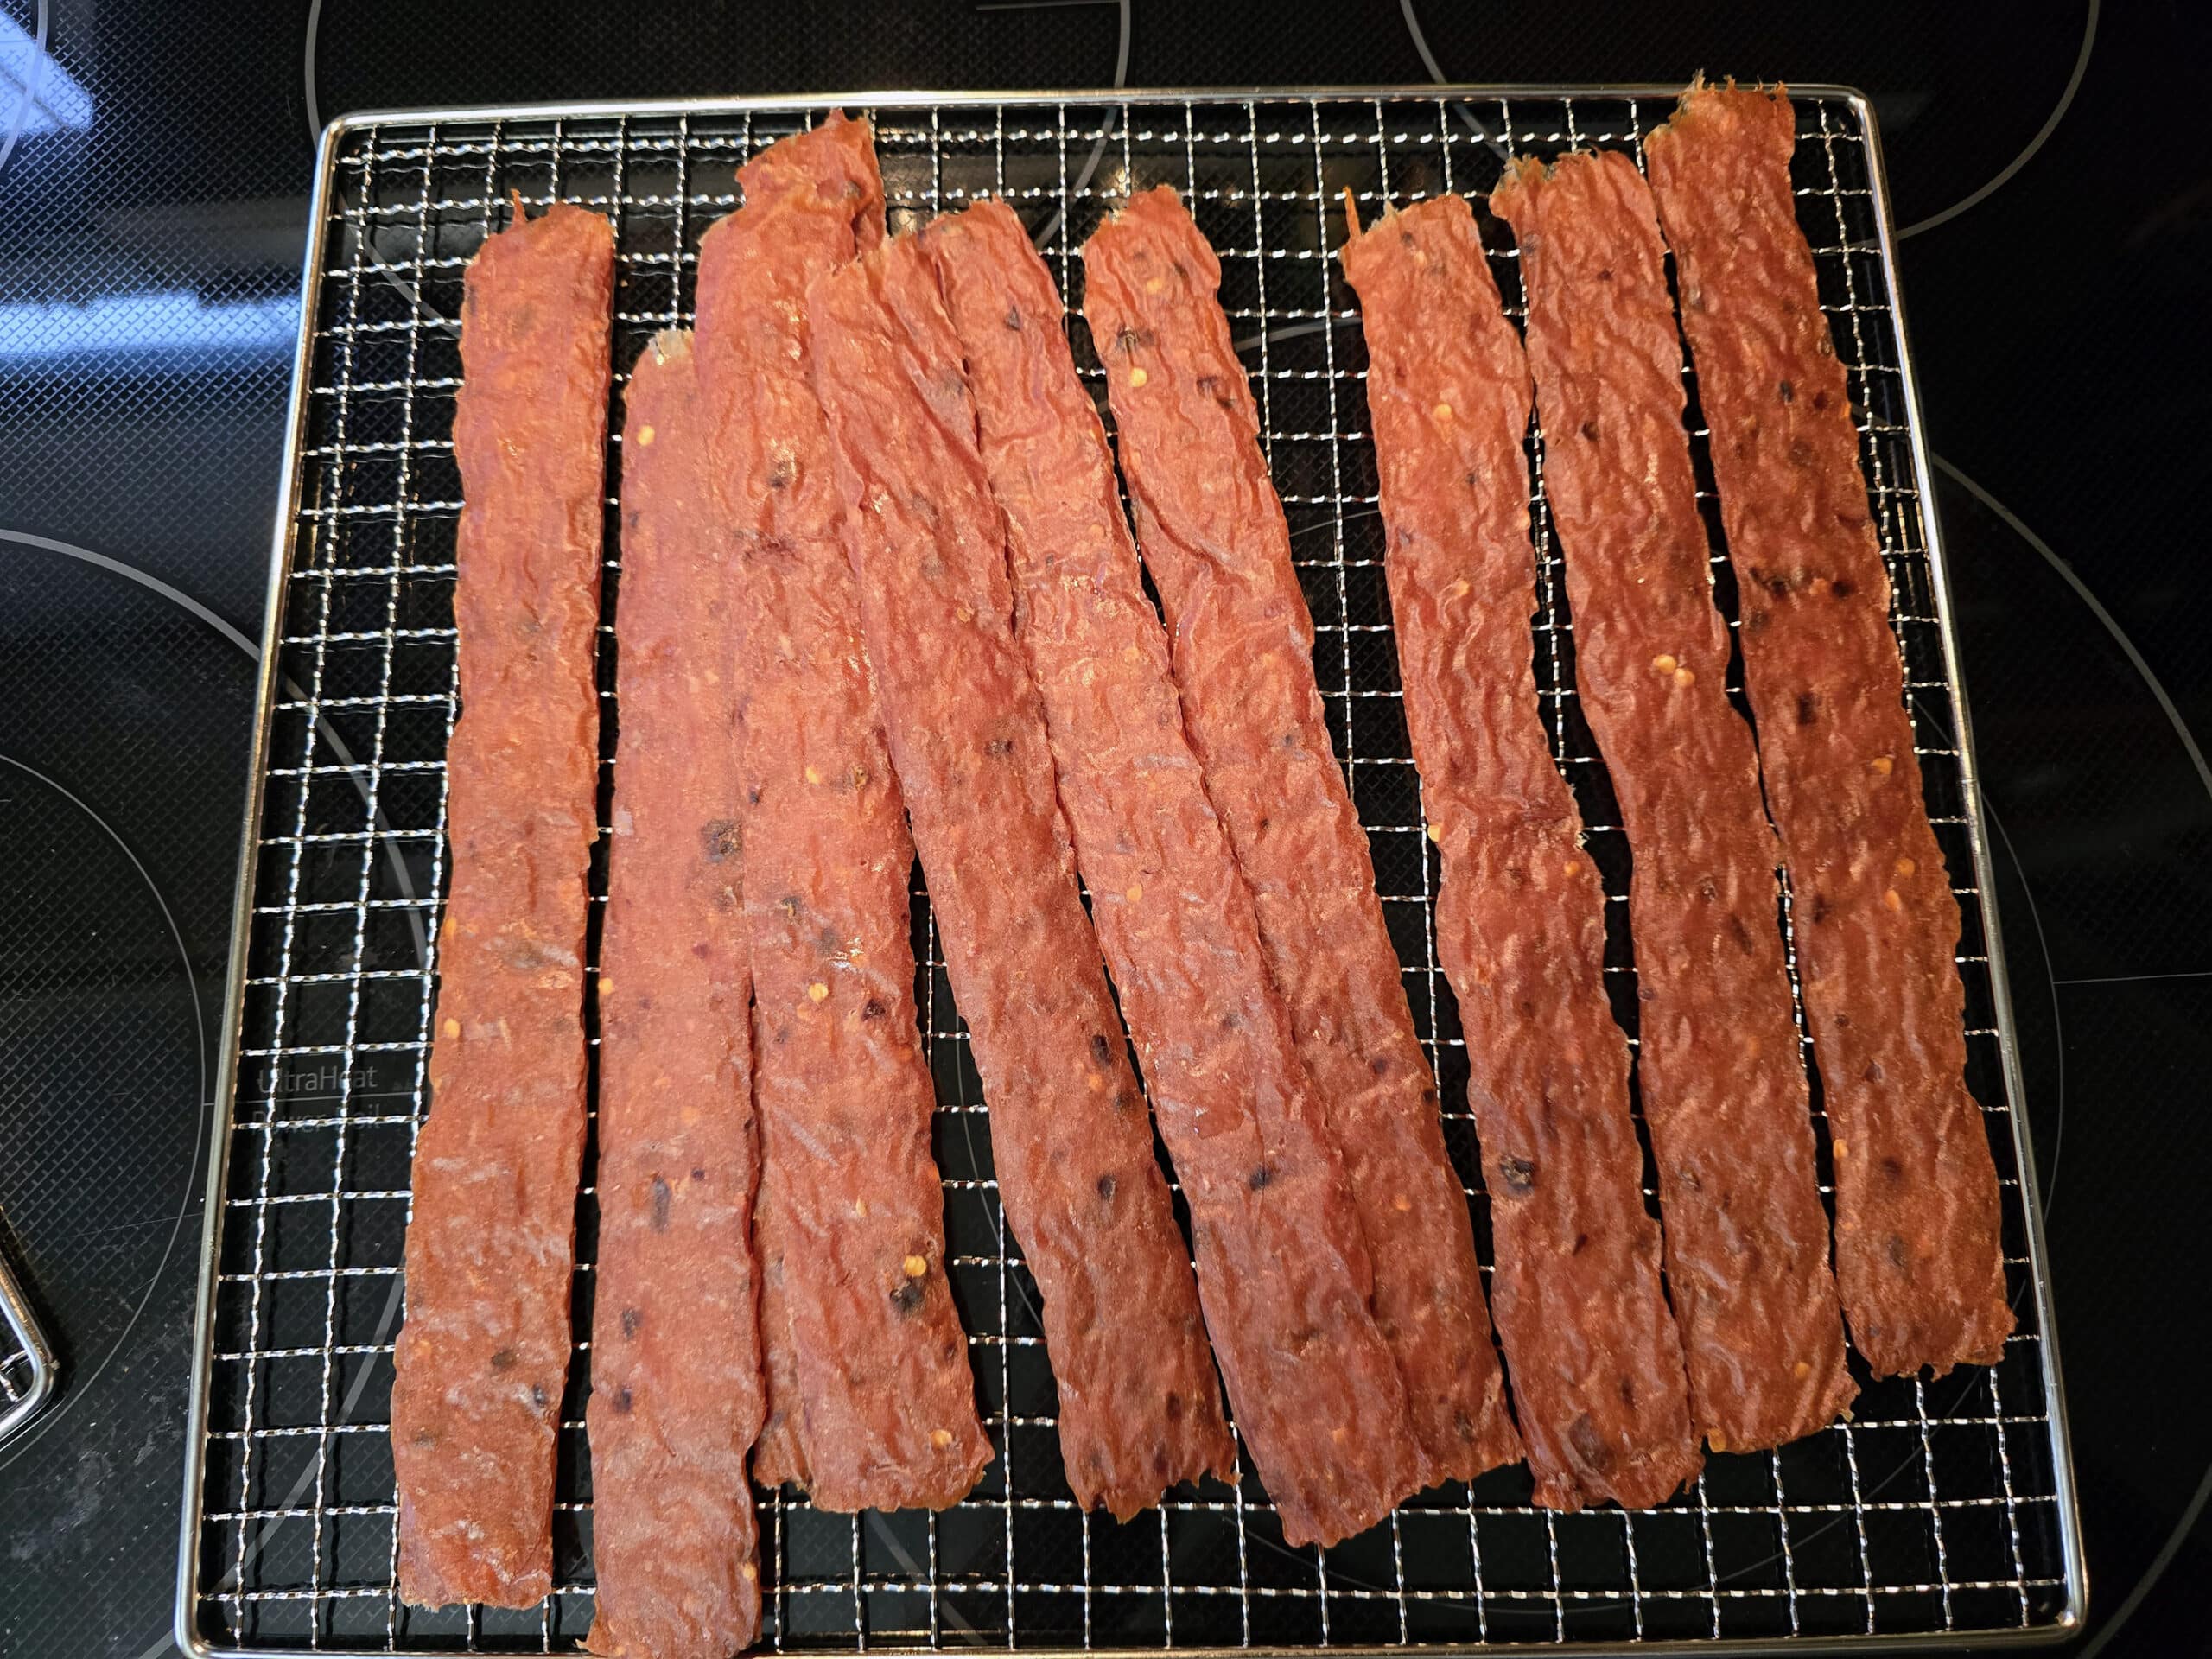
(1139, 1407)
(1211, 530)
(778, 1457)
(1723, 1081)
(1917, 1236)
(885, 1396)
(491, 1242)
(1173, 912)
(676, 1352)
(1596, 1360)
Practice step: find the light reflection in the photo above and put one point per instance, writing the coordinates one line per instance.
(165, 324)
(56, 101)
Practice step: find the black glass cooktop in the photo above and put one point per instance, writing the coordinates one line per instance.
(2053, 183)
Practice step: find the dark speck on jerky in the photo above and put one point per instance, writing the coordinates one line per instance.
(1820, 907)
(1899, 1258)
(1809, 708)
(1589, 430)
(503, 1360)
(780, 477)
(1583, 1435)
(622, 1399)
(1014, 317)
(537, 1396)
(1105, 1186)
(660, 1205)
(1874, 1072)
(719, 838)
(630, 1319)
(871, 1009)
(907, 1295)
(1843, 588)
(1519, 1176)
(1428, 1097)
(999, 745)
(698, 1174)
(1100, 1050)
(1820, 400)
(1260, 1178)
(1789, 392)
(1380, 1066)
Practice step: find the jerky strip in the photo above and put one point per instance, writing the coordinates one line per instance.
(1173, 912)
(885, 1394)
(1597, 1361)
(1917, 1234)
(491, 1242)
(1213, 535)
(676, 1350)
(778, 1457)
(1139, 1408)
(1724, 1084)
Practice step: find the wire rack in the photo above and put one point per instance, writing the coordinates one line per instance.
(1941, 1507)
(27, 1371)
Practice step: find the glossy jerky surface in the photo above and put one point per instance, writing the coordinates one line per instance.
(886, 1399)
(1723, 1081)
(1917, 1234)
(479, 1363)
(676, 1353)
(1214, 537)
(1597, 1363)
(1139, 1405)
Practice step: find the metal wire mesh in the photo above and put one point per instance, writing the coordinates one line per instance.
(1937, 1509)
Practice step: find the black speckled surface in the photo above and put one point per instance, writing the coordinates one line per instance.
(151, 214)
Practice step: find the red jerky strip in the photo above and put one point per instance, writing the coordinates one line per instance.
(676, 1348)
(1139, 1408)
(1724, 1084)
(1173, 912)
(876, 1350)
(1917, 1234)
(778, 1457)
(1597, 1361)
(1213, 535)
(491, 1243)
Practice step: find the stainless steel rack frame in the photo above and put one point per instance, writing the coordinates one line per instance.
(26, 1369)
(1944, 1509)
